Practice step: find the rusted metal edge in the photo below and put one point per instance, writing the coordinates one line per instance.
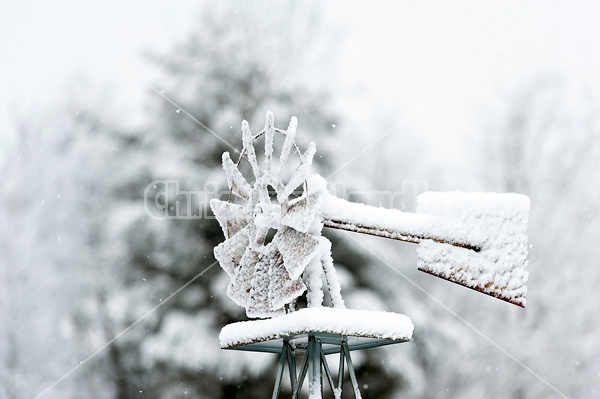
(478, 289)
(392, 234)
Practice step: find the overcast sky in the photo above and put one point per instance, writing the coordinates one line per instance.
(435, 65)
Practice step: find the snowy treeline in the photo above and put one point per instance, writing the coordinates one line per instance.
(81, 261)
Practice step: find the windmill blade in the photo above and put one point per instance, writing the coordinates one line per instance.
(241, 283)
(300, 174)
(282, 288)
(297, 249)
(259, 305)
(302, 212)
(229, 253)
(231, 217)
(235, 180)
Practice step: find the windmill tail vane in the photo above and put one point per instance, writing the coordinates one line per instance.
(477, 240)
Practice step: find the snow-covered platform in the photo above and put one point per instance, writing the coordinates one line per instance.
(315, 333)
(362, 328)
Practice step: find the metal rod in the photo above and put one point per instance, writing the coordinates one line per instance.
(314, 366)
(357, 394)
(390, 233)
(341, 368)
(302, 376)
(327, 371)
(282, 359)
(292, 366)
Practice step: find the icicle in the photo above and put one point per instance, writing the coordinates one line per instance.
(269, 133)
(247, 139)
(301, 172)
(333, 284)
(235, 180)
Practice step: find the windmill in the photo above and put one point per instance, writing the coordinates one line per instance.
(274, 253)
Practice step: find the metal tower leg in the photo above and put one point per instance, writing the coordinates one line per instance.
(346, 351)
(282, 361)
(314, 366)
(292, 366)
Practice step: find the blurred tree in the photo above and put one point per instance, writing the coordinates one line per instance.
(103, 265)
(54, 252)
(240, 63)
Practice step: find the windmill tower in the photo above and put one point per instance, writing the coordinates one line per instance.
(274, 253)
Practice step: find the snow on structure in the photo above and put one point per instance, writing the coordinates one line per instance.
(500, 220)
(395, 224)
(348, 322)
(473, 239)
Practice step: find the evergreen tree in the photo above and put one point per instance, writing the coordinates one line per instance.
(239, 64)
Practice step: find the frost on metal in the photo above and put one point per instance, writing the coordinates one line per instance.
(499, 222)
(267, 278)
(477, 240)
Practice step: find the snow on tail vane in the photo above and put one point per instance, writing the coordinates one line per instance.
(500, 221)
(478, 240)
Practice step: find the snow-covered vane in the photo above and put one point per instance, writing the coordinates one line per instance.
(477, 240)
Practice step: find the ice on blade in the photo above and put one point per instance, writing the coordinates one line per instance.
(229, 253)
(297, 249)
(258, 300)
(235, 180)
(302, 212)
(300, 174)
(282, 288)
(231, 217)
(241, 283)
